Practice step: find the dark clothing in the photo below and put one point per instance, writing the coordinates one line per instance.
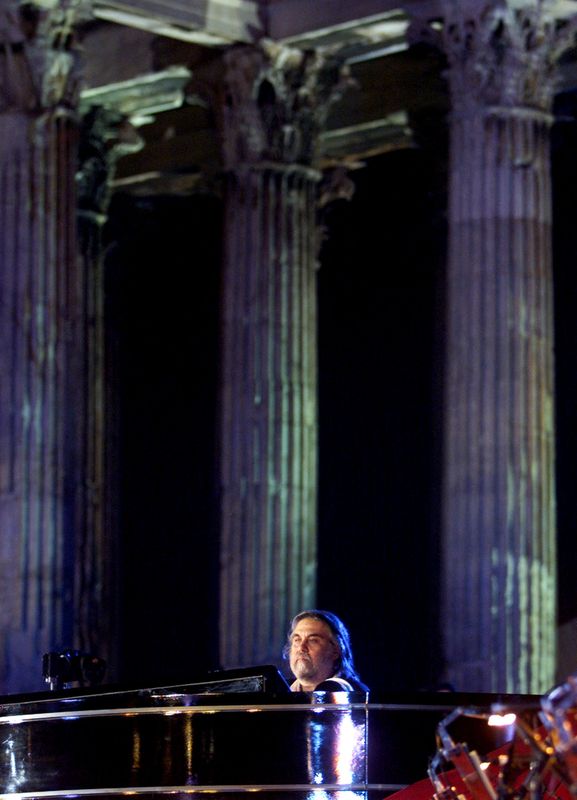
(341, 685)
(335, 684)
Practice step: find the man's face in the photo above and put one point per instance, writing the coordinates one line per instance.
(313, 651)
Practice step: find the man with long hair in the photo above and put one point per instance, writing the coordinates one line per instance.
(318, 649)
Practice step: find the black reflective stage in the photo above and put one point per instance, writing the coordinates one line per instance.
(227, 736)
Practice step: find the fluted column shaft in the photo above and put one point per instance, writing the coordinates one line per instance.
(499, 501)
(96, 578)
(41, 409)
(37, 423)
(499, 557)
(272, 111)
(269, 409)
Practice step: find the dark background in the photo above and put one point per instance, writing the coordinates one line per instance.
(380, 295)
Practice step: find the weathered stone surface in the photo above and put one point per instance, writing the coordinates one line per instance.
(499, 606)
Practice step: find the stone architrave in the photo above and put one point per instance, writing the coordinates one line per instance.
(498, 516)
(42, 412)
(274, 106)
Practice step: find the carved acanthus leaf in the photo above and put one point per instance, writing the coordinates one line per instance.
(276, 103)
(39, 65)
(500, 53)
(105, 136)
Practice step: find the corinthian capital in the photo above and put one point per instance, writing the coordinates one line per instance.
(275, 103)
(38, 58)
(500, 52)
(105, 136)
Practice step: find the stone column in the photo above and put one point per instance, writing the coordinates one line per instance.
(41, 428)
(499, 585)
(274, 108)
(105, 135)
